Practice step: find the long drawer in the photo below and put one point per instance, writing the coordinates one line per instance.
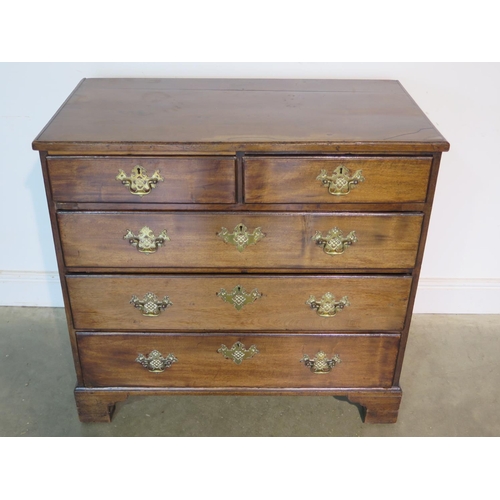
(238, 303)
(237, 361)
(143, 180)
(336, 179)
(221, 240)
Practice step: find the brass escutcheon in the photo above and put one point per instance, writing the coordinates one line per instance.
(327, 307)
(320, 364)
(239, 297)
(155, 362)
(238, 353)
(334, 243)
(340, 182)
(146, 241)
(240, 237)
(150, 305)
(139, 183)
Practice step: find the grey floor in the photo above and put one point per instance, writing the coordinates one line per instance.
(450, 385)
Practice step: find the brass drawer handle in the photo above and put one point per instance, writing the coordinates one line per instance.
(334, 243)
(239, 297)
(146, 241)
(238, 353)
(327, 307)
(150, 305)
(139, 183)
(155, 362)
(240, 237)
(320, 364)
(340, 182)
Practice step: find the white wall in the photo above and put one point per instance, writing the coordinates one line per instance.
(461, 269)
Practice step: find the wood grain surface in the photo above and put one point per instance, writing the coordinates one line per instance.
(93, 239)
(213, 115)
(186, 180)
(294, 179)
(110, 360)
(103, 303)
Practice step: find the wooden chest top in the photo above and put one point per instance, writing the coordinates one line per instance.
(156, 116)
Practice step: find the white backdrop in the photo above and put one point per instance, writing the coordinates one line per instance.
(461, 268)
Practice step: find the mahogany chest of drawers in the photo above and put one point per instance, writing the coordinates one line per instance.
(239, 236)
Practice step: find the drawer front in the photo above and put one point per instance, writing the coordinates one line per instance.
(115, 240)
(185, 180)
(263, 303)
(274, 361)
(313, 180)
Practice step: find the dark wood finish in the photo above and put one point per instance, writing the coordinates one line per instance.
(140, 115)
(96, 240)
(416, 272)
(235, 270)
(240, 391)
(236, 151)
(380, 408)
(239, 179)
(186, 180)
(103, 303)
(60, 265)
(293, 179)
(110, 360)
(96, 402)
(244, 208)
(97, 406)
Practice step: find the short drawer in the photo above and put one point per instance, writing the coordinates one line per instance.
(238, 303)
(239, 241)
(143, 179)
(237, 361)
(336, 179)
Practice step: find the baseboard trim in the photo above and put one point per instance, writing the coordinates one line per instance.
(30, 289)
(458, 296)
(434, 295)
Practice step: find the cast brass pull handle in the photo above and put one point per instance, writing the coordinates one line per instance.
(320, 364)
(239, 297)
(155, 362)
(240, 237)
(334, 243)
(341, 181)
(139, 183)
(238, 353)
(146, 241)
(327, 307)
(150, 305)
